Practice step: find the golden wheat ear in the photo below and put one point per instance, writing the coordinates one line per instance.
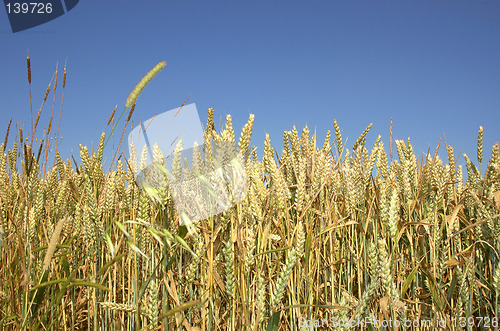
(53, 243)
(38, 295)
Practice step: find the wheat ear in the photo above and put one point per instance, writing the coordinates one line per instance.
(53, 243)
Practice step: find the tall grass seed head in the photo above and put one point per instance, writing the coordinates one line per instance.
(132, 98)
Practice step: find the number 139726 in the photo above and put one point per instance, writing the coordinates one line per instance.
(29, 8)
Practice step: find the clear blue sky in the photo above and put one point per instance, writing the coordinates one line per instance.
(434, 66)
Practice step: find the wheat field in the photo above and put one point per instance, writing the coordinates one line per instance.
(325, 234)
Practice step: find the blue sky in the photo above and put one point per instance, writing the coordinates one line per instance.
(431, 65)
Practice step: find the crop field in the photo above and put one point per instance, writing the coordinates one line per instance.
(326, 235)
